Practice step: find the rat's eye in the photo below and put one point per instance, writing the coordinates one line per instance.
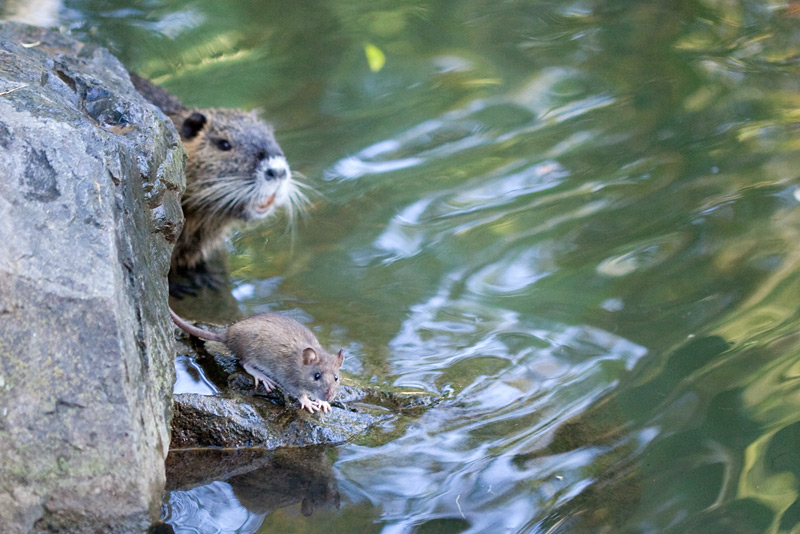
(336, 377)
(223, 144)
(317, 376)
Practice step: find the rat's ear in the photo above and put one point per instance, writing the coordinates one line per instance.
(192, 125)
(309, 356)
(339, 357)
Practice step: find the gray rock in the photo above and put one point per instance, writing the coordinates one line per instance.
(89, 209)
(240, 421)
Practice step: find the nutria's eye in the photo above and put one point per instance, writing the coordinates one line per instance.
(317, 376)
(336, 377)
(223, 145)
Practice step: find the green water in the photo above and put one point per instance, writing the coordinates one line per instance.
(577, 221)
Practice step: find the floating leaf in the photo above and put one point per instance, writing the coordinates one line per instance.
(375, 57)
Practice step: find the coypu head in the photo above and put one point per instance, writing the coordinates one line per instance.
(235, 173)
(235, 170)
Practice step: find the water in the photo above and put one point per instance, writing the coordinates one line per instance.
(578, 222)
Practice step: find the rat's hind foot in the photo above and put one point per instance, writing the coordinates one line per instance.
(259, 376)
(269, 385)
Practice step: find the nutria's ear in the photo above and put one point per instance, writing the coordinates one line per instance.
(339, 358)
(192, 125)
(306, 507)
(310, 356)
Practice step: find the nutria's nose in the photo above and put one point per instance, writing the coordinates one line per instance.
(275, 173)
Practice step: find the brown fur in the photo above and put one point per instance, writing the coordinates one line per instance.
(208, 222)
(281, 346)
(284, 350)
(235, 172)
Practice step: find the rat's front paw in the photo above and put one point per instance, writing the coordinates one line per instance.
(308, 404)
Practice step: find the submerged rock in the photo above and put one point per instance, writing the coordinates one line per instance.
(89, 210)
(236, 414)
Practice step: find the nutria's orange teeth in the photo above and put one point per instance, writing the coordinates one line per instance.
(265, 206)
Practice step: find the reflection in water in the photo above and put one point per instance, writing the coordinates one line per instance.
(577, 222)
(221, 491)
(512, 378)
(190, 378)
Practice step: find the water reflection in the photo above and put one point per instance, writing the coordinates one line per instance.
(512, 379)
(227, 491)
(212, 508)
(190, 378)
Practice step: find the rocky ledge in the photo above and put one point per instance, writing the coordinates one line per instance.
(269, 452)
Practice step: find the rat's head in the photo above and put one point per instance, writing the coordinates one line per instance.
(235, 168)
(322, 372)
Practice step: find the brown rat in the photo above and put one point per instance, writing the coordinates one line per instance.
(235, 172)
(278, 351)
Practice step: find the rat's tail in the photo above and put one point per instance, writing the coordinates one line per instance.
(195, 331)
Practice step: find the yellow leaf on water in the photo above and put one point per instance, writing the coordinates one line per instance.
(375, 57)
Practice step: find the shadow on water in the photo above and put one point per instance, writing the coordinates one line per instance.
(578, 222)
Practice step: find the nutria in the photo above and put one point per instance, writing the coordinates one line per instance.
(235, 172)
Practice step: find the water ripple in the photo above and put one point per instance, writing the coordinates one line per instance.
(211, 509)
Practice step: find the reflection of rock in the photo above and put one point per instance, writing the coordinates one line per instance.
(89, 208)
(262, 480)
(242, 417)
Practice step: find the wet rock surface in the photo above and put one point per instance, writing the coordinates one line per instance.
(89, 210)
(238, 415)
